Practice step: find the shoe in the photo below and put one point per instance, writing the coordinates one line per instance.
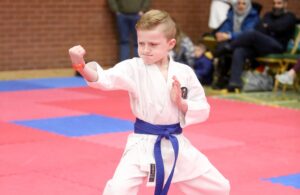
(285, 78)
(220, 83)
(233, 88)
(218, 86)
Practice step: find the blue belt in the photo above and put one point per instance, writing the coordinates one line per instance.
(163, 131)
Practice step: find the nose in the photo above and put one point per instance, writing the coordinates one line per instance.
(277, 4)
(146, 49)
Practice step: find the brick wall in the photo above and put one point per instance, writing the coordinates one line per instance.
(36, 34)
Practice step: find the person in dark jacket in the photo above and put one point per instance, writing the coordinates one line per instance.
(271, 35)
(128, 12)
(241, 17)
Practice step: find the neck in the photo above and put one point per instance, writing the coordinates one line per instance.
(164, 63)
(163, 66)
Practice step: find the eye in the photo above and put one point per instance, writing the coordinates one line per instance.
(153, 44)
(141, 43)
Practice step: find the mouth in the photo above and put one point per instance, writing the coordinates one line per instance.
(146, 55)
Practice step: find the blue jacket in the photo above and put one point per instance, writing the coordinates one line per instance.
(204, 68)
(248, 24)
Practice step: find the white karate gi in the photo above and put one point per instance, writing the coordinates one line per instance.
(150, 101)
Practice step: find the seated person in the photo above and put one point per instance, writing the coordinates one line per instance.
(203, 66)
(241, 18)
(271, 35)
(184, 49)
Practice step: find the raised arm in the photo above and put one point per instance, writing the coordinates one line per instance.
(88, 71)
(119, 77)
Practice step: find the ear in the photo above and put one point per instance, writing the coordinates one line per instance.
(171, 43)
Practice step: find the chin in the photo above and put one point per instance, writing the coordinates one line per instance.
(147, 61)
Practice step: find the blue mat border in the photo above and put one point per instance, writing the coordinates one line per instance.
(43, 83)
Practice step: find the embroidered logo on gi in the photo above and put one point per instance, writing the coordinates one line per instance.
(152, 173)
(184, 92)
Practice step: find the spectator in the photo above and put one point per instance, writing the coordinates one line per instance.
(203, 64)
(288, 77)
(241, 18)
(272, 34)
(184, 50)
(127, 12)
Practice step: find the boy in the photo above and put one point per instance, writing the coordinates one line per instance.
(154, 82)
(203, 64)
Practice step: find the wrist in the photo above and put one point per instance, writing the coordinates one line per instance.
(78, 67)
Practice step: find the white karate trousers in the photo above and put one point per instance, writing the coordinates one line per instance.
(210, 183)
(129, 176)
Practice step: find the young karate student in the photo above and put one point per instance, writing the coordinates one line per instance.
(165, 96)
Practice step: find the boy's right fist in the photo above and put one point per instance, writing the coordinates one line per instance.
(76, 54)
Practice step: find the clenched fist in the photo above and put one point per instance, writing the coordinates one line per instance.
(76, 54)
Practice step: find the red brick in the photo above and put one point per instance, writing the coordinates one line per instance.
(37, 34)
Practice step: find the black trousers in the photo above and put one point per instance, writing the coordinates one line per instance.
(249, 45)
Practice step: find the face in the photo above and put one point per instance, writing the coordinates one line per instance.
(241, 6)
(198, 51)
(279, 7)
(279, 4)
(153, 46)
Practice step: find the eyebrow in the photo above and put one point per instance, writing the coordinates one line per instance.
(152, 42)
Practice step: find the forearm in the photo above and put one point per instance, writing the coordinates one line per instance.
(89, 72)
(197, 112)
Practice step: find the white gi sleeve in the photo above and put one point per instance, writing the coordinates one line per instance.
(119, 77)
(198, 107)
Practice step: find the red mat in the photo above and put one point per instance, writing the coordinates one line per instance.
(246, 142)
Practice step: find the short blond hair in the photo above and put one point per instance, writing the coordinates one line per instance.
(154, 18)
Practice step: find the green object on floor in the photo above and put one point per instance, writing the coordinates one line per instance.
(288, 99)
